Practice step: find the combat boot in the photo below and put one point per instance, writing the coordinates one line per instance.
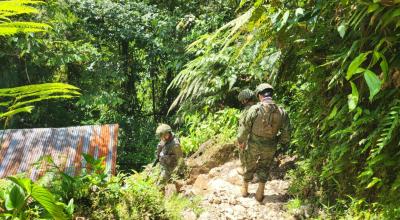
(260, 192)
(245, 189)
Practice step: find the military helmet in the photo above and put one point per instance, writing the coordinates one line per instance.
(245, 95)
(262, 87)
(163, 128)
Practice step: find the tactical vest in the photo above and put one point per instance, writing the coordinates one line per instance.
(268, 121)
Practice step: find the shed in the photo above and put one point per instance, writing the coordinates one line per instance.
(22, 148)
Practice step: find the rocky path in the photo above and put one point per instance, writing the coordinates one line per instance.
(221, 199)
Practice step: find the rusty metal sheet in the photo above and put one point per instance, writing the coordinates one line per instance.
(20, 149)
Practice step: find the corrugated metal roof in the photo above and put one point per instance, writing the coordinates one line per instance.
(21, 148)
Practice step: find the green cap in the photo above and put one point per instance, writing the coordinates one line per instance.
(262, 87)
(245, 95)
(163, 128)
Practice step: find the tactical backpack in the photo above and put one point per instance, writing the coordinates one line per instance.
(268, 121)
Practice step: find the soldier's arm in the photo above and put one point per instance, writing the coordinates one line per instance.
(245, 127)
(285, 130)
(178, 150)
(158, 151)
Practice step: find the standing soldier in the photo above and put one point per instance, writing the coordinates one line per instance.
(246, 98)
(168, 153)
(265, 125)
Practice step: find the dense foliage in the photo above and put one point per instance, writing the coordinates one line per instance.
(21, 99)
(335, 66)
(122, 55)
(91, 194)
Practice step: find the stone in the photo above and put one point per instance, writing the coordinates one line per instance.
(189, 215)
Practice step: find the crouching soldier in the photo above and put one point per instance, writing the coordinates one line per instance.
(264, 125)
(168, 153)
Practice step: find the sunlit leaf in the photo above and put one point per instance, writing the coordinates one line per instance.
(24, 183)
(354, 65)
(373, 82)
(299, 12)
(353, 97)
(46, 199)
(284, 20)
(342, 30)
(374, 181)
(15, 199)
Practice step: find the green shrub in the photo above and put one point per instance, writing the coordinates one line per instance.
(24, 199)
(200, 127)
(141, 199)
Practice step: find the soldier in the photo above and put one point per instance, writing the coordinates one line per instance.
(168, 153)
(265, 125)
(246, 98)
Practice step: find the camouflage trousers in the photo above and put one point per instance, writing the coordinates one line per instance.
(243, 157)
(165, 175)
(258, 158)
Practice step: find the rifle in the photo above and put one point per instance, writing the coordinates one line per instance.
(155, 162)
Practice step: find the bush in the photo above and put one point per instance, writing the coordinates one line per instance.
(200, 127)
(95, 195)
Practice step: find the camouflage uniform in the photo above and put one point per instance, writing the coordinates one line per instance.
(169, 153)
(244, 95)
(243, 152)
(260, 129)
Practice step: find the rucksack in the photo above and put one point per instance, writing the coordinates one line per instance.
(268, 121)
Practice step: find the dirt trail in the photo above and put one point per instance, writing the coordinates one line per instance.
(221, 199)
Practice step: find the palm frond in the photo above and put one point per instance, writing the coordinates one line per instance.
(17, 7)
(21, 99)
(11, 28)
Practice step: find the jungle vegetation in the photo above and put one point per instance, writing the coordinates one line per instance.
(334, 65)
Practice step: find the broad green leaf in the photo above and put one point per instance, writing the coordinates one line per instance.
(373, 82)
(353, 97)
(15, 199)
(342, 30)
(46, 199)
(24, 183)
(354, 65)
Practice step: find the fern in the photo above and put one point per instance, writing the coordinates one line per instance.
(248, 39)
(390, 122)
(21, 99)
(18, 7)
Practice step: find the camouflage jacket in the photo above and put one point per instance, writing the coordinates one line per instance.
(280, 122)
(243, 115)
(169, 152)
